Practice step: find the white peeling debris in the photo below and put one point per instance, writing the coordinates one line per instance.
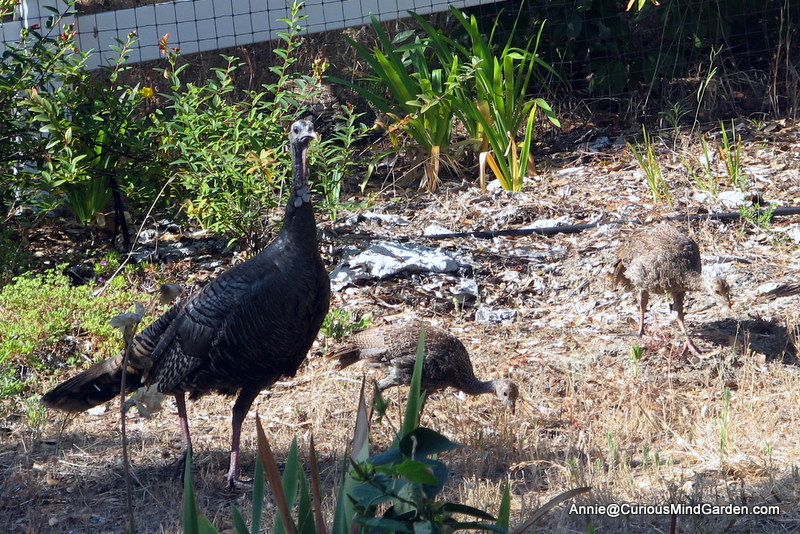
(550, 223)
(571, 170)
(733, 199)
(496, 185)
(435, 229)
(769, 287)
(384, 259)
(489, 315)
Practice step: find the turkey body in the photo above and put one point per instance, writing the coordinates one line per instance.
(447, 362)
(664, 260)
(240, 333)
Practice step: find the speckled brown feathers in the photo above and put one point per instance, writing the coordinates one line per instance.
(664, 260)
(447, 361)
(250, 326)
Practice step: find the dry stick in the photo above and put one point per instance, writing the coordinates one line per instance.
(575, 228)
(128, 333)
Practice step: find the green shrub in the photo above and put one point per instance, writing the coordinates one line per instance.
(416, 95)
(433, 77)
(226, 153)
(340, 323)
(39, 312)
(494, 103)
(86, 134)
(647, 160)
(334, 158)
(14, 254)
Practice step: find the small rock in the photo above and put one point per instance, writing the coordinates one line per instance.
(769, 287)
(465, 290)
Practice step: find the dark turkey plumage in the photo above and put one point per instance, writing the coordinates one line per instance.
(447, 361)
(250, 326)
(664, 260)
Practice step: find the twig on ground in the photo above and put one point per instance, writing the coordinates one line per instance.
(575, 228)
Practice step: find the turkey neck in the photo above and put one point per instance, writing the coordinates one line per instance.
(474, 386)
(298, 221)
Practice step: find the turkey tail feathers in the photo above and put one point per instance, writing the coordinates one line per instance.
(347, 355)
(96, 385)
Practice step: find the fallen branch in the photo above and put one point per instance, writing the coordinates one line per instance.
(575, 228)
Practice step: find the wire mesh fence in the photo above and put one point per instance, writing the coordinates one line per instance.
(205, 25)
(721, 58)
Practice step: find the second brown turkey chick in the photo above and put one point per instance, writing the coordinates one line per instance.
(665, 260)
(447, 361)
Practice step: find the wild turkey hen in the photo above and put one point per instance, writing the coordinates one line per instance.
(447, 361)
(250, 326)
(665, 260)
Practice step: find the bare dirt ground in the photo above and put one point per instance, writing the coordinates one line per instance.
(653, 431)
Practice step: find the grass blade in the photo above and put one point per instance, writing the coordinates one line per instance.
(416, 397)
(504, 514)
(343, 517)
(316, 491)
(273, 475)
(190, 513)
(258, 497)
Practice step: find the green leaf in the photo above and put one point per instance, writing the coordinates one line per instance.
(386, 457)
(193, 521)
(272, 473)
(345, 510)
(190, 513)
(416, 399)
(414, 471)
(453, 508)
(380, 524)
(423, 442)
(238, 521)
(258, 496)
(504, 514)
(366, 496)
(305, 512)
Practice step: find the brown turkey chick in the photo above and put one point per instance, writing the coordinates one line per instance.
(665, 260)
(447, 361)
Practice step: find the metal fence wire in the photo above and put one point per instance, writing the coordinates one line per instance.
(732, 57)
